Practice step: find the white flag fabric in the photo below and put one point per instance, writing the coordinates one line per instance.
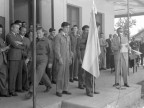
(92, 52)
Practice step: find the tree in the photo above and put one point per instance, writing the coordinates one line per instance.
(123, 23)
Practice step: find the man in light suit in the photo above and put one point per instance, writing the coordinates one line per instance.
(14, 56)
(120, 49)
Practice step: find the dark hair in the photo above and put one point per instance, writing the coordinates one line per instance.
(17, 21)
(12, 24)
(65, 24)
(1, 26)
(51, 30)
(119, 29)
(21, 28)
(23, 22)
(75, 26)
(40, 28)
(60, 30)
(84, 27)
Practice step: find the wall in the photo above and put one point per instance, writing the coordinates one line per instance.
(21, 10)
(107, 9)
(4, 12)
(104, 7)
(60, 13)
(46, 14)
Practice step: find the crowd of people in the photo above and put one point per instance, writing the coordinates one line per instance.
(58, 59)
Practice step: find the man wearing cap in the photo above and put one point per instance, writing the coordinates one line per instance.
(52, 72)
(63, 58)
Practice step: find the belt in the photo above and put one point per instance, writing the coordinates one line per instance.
(41, 54)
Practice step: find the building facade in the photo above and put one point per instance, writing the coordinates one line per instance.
(74, 11)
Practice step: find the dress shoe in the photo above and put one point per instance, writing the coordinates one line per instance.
(96, 92)
(115, 85)
(126, 85)
(20, 91)
(90, 94)
(53, 82)
(47, 89)
(103, 68)
(13, 94)
(5, 95)
(66, 92)
(75, 79)
(80, 87)
(59, 94)
(71, 80)
(29, 95)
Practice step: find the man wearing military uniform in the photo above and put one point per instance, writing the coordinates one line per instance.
(44, 56)
(74, 66)
(81, 46)
(52, 72)
(63, 57)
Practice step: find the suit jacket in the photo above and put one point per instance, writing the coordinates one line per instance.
(109, 50)
(3, 58)
(115, 45)
(15, 51)
(26, 43)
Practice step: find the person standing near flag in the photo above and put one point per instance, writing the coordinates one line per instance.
(120, 46)
(81, 46)
(91, 57)
(103, 45)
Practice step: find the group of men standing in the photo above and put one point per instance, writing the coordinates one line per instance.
(13, 67)
(58, 59)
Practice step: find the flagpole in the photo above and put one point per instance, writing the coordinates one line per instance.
(128, 18)
(34, 54)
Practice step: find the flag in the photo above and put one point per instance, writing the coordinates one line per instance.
(92, 52)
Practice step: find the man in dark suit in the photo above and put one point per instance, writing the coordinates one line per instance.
(3, 67)
(109, 56)
(14, 56)
(22, 79)
(52, 73)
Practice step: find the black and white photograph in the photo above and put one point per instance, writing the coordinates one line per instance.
(71, 54)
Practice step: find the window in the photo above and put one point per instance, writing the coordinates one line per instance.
(73, 15)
